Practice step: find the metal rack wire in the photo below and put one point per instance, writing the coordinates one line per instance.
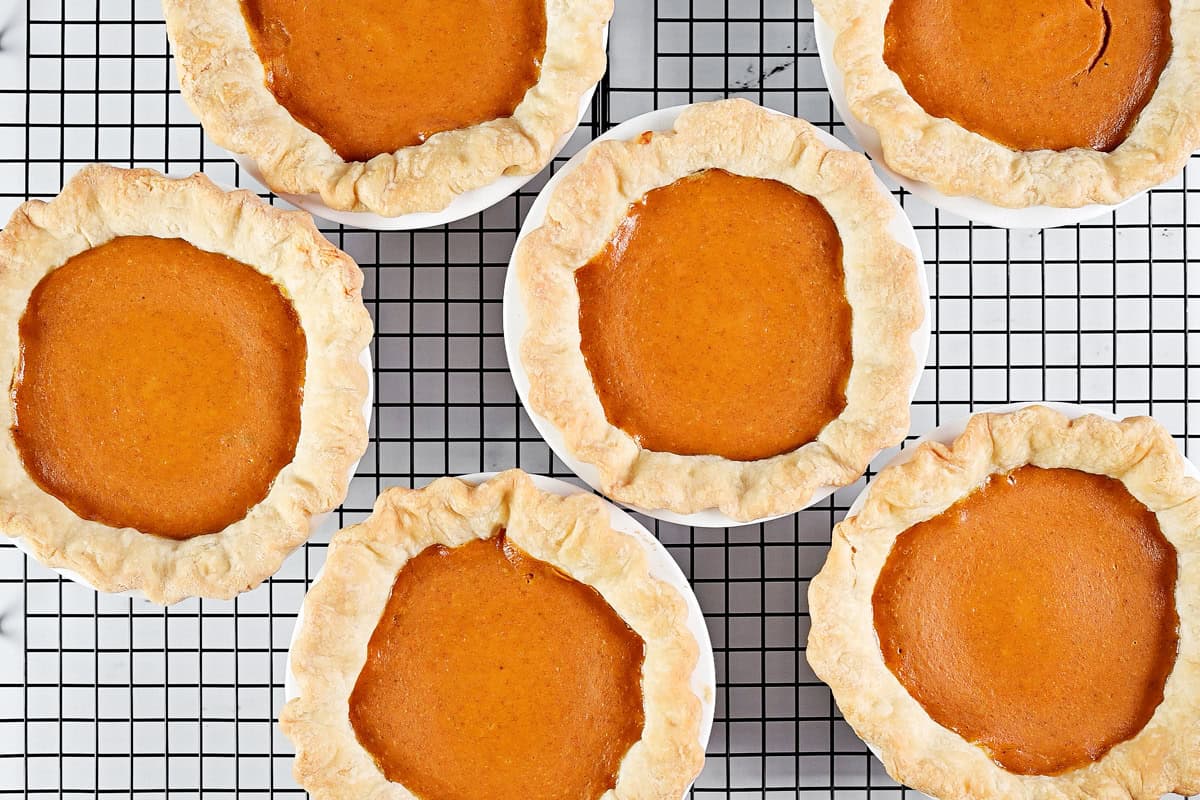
(102, 696)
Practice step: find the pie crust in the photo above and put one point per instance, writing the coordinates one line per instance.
(102, 203)
(882, 287)
(571, 533)
(957, 161)
(843, 647)
(223, 81)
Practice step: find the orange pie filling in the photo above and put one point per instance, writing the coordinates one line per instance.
(493, 674)
(159, 386)
(715, 321)
(1035, 617)
(373, 76)
(1032, 74)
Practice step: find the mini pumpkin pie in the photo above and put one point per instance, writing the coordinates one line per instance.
(1032, 102)
(492, 641)
(185, 386)
(1016, 614)
(718, 315)
(385, 107)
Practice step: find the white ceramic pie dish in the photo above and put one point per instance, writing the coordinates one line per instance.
(662, 567)
(464, 205)
(516, 320)
(1033, 217)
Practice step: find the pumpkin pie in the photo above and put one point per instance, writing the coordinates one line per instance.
(384, 109)
(185, 386)
(1031, 102)
(718, 315)
(1015, 614)
(492, 641)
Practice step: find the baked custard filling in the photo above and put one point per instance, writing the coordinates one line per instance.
(374, 76)
(1035, 617)
(159, 386)
(1032, 74)
(715, 321)
(493, 674)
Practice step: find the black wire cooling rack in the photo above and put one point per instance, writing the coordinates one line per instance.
(101, 696)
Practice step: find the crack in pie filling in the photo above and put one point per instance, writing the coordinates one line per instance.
(1032, 74)
(1014, 615)
(1062, 103)
(185, 392)
(492, 641)
(384, 106)
(719, 316)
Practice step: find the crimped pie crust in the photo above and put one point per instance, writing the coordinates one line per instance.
(882, 287)
(573, 534)
(323, 284)
(223, 81)
(843, 648)
(957, 161)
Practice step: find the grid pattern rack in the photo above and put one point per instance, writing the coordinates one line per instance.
(105, 697)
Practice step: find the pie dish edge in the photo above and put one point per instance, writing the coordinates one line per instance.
(571, 533)
(843, 647)
(223, 81)
(957, 161)
(884, 294)
(322, 283)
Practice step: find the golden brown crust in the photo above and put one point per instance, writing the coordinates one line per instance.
(223, 81)
(882, 286)
(957, 161)
(844, 651)
(324, 286)
(573, 534)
